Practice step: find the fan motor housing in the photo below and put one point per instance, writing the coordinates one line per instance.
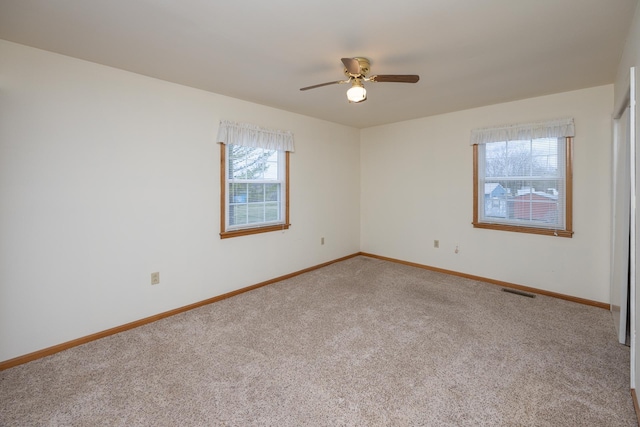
(364, 67)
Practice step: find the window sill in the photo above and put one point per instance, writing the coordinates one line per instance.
(530, 230)
(256, 230)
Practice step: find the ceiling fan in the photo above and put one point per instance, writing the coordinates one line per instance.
(357, 71)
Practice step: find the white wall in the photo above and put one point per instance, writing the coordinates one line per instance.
(107, 176)
(630, 58)
(416, 180)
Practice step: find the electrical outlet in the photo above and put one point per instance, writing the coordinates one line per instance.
(155, 278)
(436, 243)
(322, 240)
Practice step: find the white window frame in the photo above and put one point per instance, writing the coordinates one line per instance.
(532, 181)
(229, 230)
(560, 129)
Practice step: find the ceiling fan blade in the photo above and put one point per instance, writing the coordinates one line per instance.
(397, 78)
(352, 65)
(324, 84)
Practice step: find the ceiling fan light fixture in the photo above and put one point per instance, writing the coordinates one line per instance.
(357, 71)
(357, 92)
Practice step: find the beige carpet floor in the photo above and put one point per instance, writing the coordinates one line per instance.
(362, 342)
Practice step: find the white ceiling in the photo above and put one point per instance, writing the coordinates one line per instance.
(468, 53)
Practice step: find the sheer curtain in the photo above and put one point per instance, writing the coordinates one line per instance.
(248, 135)
(559, 128)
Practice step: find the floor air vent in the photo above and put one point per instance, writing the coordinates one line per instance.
(514, 291)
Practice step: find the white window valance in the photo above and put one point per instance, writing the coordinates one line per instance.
(249, 135)
(558, 128)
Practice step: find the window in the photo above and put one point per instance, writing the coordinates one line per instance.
(524, 184)
(254, 185)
